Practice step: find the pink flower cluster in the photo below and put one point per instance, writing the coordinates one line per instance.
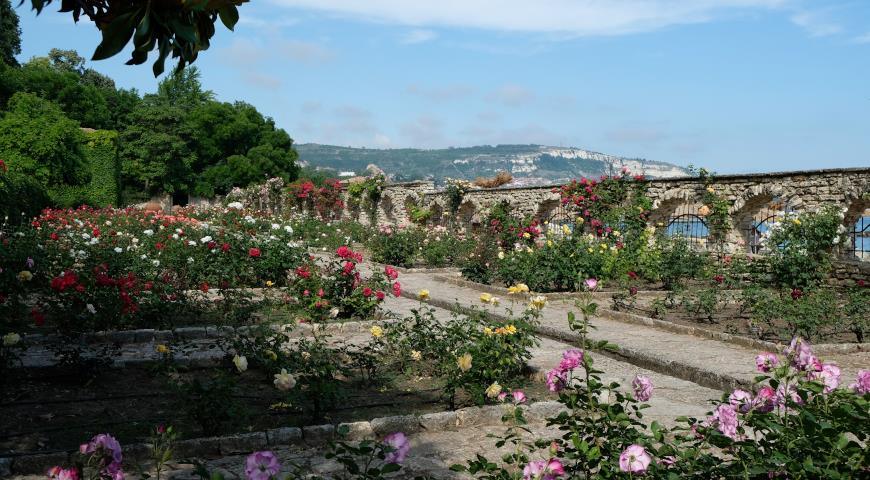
(107, 452)
(262, 466)
(517, 396)
(557, 378)
(862, 383)
(400, 445)
(543, 470)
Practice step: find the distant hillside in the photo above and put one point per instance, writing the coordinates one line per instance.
(529, 164)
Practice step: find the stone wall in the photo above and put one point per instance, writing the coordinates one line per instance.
(749, 194)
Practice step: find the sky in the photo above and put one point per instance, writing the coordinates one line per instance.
(730, 85)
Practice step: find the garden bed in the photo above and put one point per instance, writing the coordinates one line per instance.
(50, 411)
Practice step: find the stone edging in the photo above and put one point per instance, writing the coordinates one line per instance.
(312, 435)
(642, 359)
(727, 337)
(822, 348)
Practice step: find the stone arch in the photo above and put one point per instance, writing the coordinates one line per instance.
(387, 209)
(756, 205)
(547, 209)
(437, 217)
(665, 207)
(466, 212)
(856, 221)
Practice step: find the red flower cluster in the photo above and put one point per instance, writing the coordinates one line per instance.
(66, 280)
(346, 253)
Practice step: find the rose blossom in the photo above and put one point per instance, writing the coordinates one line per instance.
(766, 361)
(740, 399)
(543, 470)
(262, 466)
(764, 399)
(591, 283)
(634, 459)
(557, 379)
(519, 396)
(58, 473)
(571, 359)
(725, 418)
(829, 375)
(400, 444)
(643, 388)
(862, 382)
(801, 353)
(397, 289)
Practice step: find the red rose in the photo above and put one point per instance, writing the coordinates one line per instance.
(367, 292)
(380, 295)
(38, 317)
(203, 287)
(254, 252)
(397, 289)
(225, 247)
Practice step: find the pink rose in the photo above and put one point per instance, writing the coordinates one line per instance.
(634, 459)
(643, 388)
(862, 382)
(766, 361)
(543, 470)
(829, 375)
(400, 444)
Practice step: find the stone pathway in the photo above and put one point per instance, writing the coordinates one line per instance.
(708, 362)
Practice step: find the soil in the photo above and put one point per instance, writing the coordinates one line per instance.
(51, 410)
(730, 319)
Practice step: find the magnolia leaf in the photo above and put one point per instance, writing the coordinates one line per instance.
(116, 35)
(229, 16)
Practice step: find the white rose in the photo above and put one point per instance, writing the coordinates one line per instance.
(191, 243)
(240, 362)
(11, 339)
(284, 381)
(118, 249)
(205, 239)
(91, 308)
(148, 232)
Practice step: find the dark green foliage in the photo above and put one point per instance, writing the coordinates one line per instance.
(37, 139)
(19, 194)
(10, 34)
(182, 29)
(101, 150)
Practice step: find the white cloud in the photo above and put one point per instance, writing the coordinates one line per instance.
(305, 52)
(572, 17)
(418, 36)
(816, 23)
(512, 95)
(862, 38)
(248, 52)
(441, 93)
(262, 80)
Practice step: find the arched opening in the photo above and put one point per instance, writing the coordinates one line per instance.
(689, 222)
(756, 217)
(857, 223)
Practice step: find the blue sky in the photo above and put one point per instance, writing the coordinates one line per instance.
(733, 85)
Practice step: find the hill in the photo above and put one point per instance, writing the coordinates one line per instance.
(529, 164)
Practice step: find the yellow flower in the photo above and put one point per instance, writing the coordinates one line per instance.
(493, 390)
(464, 362)
(709, 189)
(495, 301)
(566, 230)
(25, 276)
(416, 355)
(527, 235)
(529, 250)
(796, 221)
(704, 211)
(162, 348)
(549, 243)
(500, 255)
(423, 294)
(487, 331)
(513, 289)
(377, 331)
(538, 302)
(272, 355)
(589, 249)
(523, 287)
(485, 297)
(269, 283)
(240, 362)
(510, 329)
(500, 331)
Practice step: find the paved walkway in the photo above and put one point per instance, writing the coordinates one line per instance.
(708, 362)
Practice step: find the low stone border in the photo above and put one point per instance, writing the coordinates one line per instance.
(642, 359)
(824, 348)
(312, 435)
(401, 270)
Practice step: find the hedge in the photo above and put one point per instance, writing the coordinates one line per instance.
(101, 152)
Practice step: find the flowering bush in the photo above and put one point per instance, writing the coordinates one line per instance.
(611, 202)
(326, 201)
(412, 246)
(471, 352)
(796, 422)
(800, 247)
(335, 288)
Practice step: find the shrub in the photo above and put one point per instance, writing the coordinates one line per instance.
(801, 247)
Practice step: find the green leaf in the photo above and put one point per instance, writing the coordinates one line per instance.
(229, 15)
(116, 35)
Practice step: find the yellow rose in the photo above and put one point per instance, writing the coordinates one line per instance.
(377, 331)
(500, 255)
(709, 189)
(487, 331)
(464, 362)
(423, 294)
(269, 283)
(510, 329)
(493, 390)
(495, 301)
(485, 297)
(25, 276)
(538, 302)
(272, 355)
(162, 348)
(549, 243)
(513, 289)
(416, 355)
(523, 287)
(796, 221)
(527, 235)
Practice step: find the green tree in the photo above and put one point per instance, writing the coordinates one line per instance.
(183, 89)
(38, 140)
(155, 151)
(10, 34)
